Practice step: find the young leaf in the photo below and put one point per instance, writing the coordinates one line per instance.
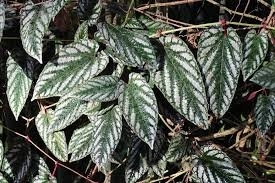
(181, 82)
(34, 22)
(139, 108)
(134, 48)
(55, 141)
(265, 112)
(67, 111)
(81, 32)
(177, 148)
(265, 76)
(220, 56)
(77, 63)
(2, 18)
(100, 89)
(18, 85)
(214, 166)
(255, 49)
(44, 174)
(107, 133)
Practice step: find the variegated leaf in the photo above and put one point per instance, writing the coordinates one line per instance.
(100, 89)
(57, 6)
(220, 56)
(154, 26)
(1, 152)
(139, 108)
(265, 112)
(265, 76)
(44, 174)
(2, 18)
(6, 167)
(81, 32)
(181, 82)
(119, 70)
(19, 84)
(67, 111)
(255, 49)
(133, 49)
(107, 133)
(177, 148)
(81, 143)
(96, 14)
(34, 22)
(214, 166)
(76, 64)
(3, 179)
(55, 141)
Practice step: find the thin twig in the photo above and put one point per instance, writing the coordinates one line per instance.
(264, 3)
(242, 139)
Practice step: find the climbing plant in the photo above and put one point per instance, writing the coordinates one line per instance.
(125, 94)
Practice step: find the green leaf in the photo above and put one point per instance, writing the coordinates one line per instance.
(119, 70)
(96, 14)
(265, 112)
(2, 18)
(55, 141)
(255, 49)
(214, 166)
(139, 108)
(100, 89)
(3, 179)
(57, 6)
(220, 56)
(154, 26)
(67, 111)
(76, 64)
(265, 76)
(107, 133)
(81, 32)
(177, 148)
(34, 22)
(1, 152)
(44, 174)
(18, 85)
(6, 167)
(181, 82)
(133, 48)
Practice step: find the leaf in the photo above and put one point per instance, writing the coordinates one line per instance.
(100, 89)
(44, 174)
(133, 48)
(214, 166)
(220, 56)
(96, 14)
(139, 108)
(154, 26)
(34, 22)
(3, 179)
(2, 18)
(255, 49)
(177, 148)
(181, 82)
(119, 70)
(77, 63)
(55, 141)
(107, 133)
(265, 76)
(136, 165)
(1, 152)
(67, 111)
(81, 32)
(18, 85)
(6, 169)
(57, 6)
(265, 112)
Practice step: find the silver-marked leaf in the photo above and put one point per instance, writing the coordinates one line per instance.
(3, 179)
(2, 18)
(6, 167)
(57, 6)
(177, 148)
(139, 108)
(34, 22)
(81, 143)
(136, 165)
(1, 152)
(159, 167)
(67, 111)
(265, 112)
(265, 76)
(181, 82)
(220, 57)
(19, 84)
(255, 49)
(55, 141)
(81, 32)
(132, 47)
(119, 70)
(107, 133)
(154, 26)
(44, 174)
(100, 89)
(96, 14)
(214, 166)
(76, 64)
